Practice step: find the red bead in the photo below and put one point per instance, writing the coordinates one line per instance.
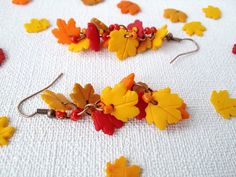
(147, 30)
(105, 36)
(234, 49)
(74, 115)
(60, 115)
(74, 39)
(111, 27)
(116, 27)
(153, 29)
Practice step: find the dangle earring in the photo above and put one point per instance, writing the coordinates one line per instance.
(125, 41)
(115, 106)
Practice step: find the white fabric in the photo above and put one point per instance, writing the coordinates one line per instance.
(204, 145)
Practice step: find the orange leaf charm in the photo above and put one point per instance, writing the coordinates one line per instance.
(82, 96)
(128, 7)
(128, 81)
(120, 169)
(66, 32)
(20, 2)
(144, 45)
(175, 15)
(184, 113)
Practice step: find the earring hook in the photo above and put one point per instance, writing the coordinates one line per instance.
(19, 106)
(170, 37)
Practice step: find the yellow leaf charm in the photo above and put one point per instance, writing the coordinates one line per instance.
(167, 109)
(123, 46)
(159, 36)
(36, 25)
(223, 104)
(212, 12)
(6, 132)
(194, 28)
(56, 101)
(122, 100)
(81, 45)
(120, 169)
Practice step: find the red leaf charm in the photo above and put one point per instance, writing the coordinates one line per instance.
(234, 49)
(93, 36)
(2, 56)
(139, 25)
(106, 122)
(142, 106)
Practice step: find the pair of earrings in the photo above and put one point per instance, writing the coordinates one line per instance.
(125, 41)
(115, 105)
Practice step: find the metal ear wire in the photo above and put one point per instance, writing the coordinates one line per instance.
(170, 37)
(38, 111)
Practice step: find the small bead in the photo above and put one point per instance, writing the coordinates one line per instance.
(74, 39)
(74, 115)
(51, 113)
(105, 36)
(153, 29)
(134, 34)
(111, 27)
(60, 115)
(147, 97)
(107, 109)
(116, 27)
(147, 30)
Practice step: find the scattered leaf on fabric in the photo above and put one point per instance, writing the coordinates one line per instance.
(37, 25)
(120, 168)
(123, 46)
(128, 7)
(80, 46)
(212, 12)
(66, 31)
(56, 101)
(6, 132)
(192, 28)
(2, 56)
(106, 122)
(175, 15)
(166, 111)
(159, 37)
(20, 2)
(223, 104)
(91, 2)
(122, 100)
(83, 95)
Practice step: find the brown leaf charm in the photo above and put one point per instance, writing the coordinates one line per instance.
(82, 96)
(144, 45)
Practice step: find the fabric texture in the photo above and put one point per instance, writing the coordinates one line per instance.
(204, 145)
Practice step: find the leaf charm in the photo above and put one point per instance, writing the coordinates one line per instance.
(6, 131)
(159, 37)
(122, 100)
(123, 46)
(36, 25)
(80, 46)
(166, 111)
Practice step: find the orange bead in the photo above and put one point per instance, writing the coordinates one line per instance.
(108, 109)
(147, 97)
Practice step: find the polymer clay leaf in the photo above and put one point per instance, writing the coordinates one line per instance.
(91, 2)
(141, 106)
(139, 25)
(65, 31)
(121, 169)
(93, 36)
(128, 81)
(105, 122)
(175, 15)
(56, 101)
(128, 7)
(80, 46)
(2, 56)
(20, 2)
(192, 28)
(144, 45)
(83, 95)
(212, 12)
(123, 46)
(184, 113)
(223, 104)
(167, 109)
(122, 100)
(159, 37)
(6, 132)
(36, 25)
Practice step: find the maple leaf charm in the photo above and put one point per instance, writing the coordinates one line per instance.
(6, 131)
(123, 46)
(223, 104)
(159, 37)
(167, 109)
(175, 15)
(192, 28)
(122, 100)
(80, 46)
(121, 169)
(212, 12)
(36, 25)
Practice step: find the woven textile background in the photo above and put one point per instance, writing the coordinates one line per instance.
(204, 145)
